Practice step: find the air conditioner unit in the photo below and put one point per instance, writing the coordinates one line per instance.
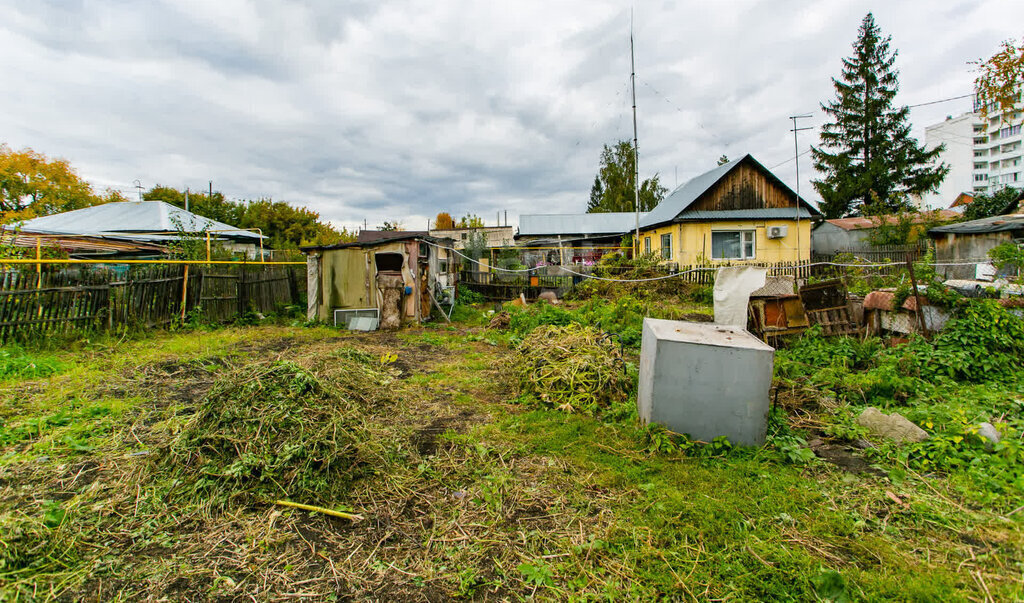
(777, 232)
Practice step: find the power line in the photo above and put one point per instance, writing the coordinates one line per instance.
(944, 100)
(790, 159)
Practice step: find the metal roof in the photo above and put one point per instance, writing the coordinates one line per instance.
(373, 236)
(863, 222)
(400, 235)
(679, 200)
(131, 220)
(78, 245)
(766, 213)
(983, 225)
(533, 225)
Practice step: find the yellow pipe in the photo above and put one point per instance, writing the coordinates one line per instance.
(324, 510)
(71, 261)
(39, 276)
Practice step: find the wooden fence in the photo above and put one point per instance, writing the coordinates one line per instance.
(878, 254)
(81, 298)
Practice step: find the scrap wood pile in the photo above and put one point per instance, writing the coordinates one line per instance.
(573, 368)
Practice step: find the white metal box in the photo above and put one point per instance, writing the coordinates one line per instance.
(705, 380)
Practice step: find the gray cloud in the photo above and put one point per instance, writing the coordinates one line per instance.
(366, 110)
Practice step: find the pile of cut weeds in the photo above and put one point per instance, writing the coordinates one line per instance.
(572, 368)
(270, 432)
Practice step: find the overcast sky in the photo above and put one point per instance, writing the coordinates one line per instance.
(398, 110)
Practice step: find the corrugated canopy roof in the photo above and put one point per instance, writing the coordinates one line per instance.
(543, 225)
(984, 225)
(126, 218)
(684, 196)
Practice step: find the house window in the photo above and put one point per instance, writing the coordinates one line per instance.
(666, 246)
(732, 245)
(647, 244)
(463, 236)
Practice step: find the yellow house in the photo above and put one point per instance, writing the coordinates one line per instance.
(737, 212)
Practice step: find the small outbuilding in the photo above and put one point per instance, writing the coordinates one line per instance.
(395, 279)
(854, 234)
(967, 242)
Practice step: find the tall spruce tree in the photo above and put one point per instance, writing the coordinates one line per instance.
(866, 152)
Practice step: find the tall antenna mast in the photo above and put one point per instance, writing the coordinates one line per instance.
(796, 157)
(636, 151)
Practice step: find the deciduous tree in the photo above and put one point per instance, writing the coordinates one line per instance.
(285, 225)
(471, 221)
(613, 185)
(1001, 78)
(444, 221)
(31, 184)
(984, 206)
(867, 154)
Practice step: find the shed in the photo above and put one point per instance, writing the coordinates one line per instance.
(967, 242)
(394, 276)
(851, 234)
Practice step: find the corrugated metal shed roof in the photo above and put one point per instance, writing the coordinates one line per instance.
(983, 225)
(400, 235)
(683, 197)
(123, 218)
(577, 224)
(862, 222)
(372, 236)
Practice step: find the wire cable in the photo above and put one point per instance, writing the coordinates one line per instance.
(703, 269)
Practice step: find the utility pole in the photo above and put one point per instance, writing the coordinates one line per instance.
(211, 191)
(138, 185)
(796, 157)
(186, 198)
(636, 150)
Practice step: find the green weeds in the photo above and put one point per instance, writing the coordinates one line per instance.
(17, 363)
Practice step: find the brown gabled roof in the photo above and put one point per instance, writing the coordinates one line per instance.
(962, 199)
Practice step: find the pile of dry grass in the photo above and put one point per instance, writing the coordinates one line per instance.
(573, 368)
(500, 321)
(274, 431)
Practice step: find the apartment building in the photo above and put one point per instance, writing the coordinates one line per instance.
(998, 149)
(957, 133)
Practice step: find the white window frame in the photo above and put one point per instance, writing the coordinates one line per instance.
(746, 236)
(647, 244)
(666, 250)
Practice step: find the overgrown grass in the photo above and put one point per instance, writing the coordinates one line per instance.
(468, 496)
(621, 317)
(17, 363)
(971, 372)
